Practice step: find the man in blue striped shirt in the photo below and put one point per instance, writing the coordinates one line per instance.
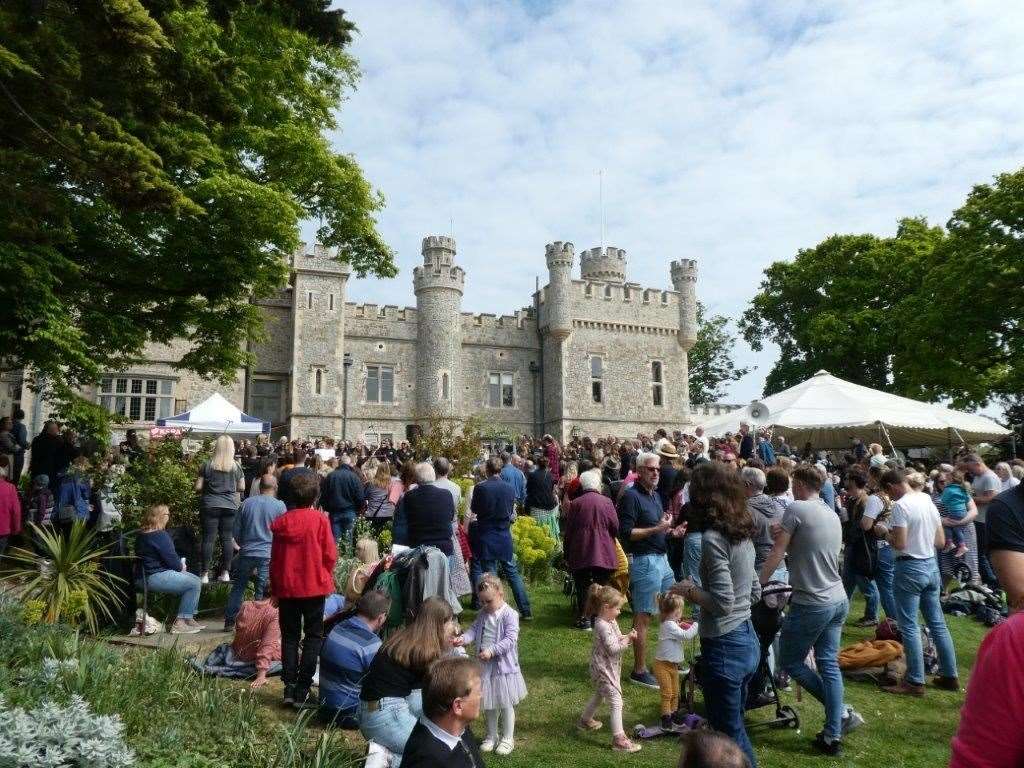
(346, 656)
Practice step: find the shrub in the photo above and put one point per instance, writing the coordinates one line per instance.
(534, 547)
(164, 474)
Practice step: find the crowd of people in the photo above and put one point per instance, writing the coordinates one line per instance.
(686, 530)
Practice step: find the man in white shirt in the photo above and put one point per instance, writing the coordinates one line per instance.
(916, 532)
(705, 444)
(984, 487)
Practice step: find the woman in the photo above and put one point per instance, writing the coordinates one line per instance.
(379, 506)
(1005, 474)
(949, 565)
(164, 571)
(268, 466)
(390, 700)
(220, 482)
(591, 526)
(877, 457)
(729, 647)
(777, 487)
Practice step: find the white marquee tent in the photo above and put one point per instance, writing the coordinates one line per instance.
(827, 412)
(215, 414)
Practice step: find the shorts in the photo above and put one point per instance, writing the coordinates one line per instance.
(648, 576)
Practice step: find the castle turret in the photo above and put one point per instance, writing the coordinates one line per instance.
(559, 293)
(438, 285)
(605, 264)
(684, 280)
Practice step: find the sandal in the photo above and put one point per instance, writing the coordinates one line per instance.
(623, 744)
(588, 725)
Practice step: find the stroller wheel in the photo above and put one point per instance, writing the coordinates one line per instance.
(792, 718)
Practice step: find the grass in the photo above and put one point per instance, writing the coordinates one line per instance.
(900, 732)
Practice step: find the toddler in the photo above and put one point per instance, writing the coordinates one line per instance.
(606, 663)
(496, 635)
(669, 655)
(955, 499)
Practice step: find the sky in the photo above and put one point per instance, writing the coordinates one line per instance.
(733, 133)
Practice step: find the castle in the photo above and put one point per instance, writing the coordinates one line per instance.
(596, 355)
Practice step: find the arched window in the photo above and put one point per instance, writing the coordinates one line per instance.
(318, 385)
(607, 291)
(445, 386)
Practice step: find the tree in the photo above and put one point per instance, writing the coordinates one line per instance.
(711, 359)
(967, 316)
(155, 161)
(837, 305)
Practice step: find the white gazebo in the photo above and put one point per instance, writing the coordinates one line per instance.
(216, 414)
(827, 412)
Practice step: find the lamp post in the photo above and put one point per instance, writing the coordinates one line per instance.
(346, 363)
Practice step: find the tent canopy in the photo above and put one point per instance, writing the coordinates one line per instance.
(827, 412)
(215, 414)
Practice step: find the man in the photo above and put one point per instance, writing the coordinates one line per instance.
(442, 468)
(643, 528)
(343, 495)
(1006, 543)
(746, 442)
(859, 449)
(451, 701)
(765, 513)
(424, 515)
(540, 490)
(20, 434)
(666, 473)
(514, 476)
(783, 448)
(345, 658)
(984, 487)
(130, 448)
(490, 535)
(251, 534)
(916, 532)
(705, 444)
(47, 452)
(811, 534)
(765, 452)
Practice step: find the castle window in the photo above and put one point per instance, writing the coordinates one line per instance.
(445, 386)
(380, 384)
(138, 399)
(596, 376)
(500, 390)
(607, 291)
(330, 302)
(657, 383)
(625, 293)
(664, 297)
(266, 398)
(309, 299)
(589, 290)
(318, 381)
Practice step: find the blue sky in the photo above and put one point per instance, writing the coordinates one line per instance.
(733, 133)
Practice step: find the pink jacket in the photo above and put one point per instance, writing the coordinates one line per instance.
(10, 509)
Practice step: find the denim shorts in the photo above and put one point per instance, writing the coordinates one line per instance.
(648, 575)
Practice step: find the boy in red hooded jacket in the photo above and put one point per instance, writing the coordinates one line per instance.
(302, 555)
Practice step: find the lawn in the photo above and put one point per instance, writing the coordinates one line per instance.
(900, 731)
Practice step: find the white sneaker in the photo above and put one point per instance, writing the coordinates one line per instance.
(852, 720)
(225, 577)
(206, 578)
(487, 745)
(505, 746)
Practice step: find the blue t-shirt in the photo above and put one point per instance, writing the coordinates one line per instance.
(639, 509)
(344, 661)
(251, 528)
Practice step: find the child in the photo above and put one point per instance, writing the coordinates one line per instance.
(669, 655)
(302, 555)
(955, 498)
(496, 634)
(606, 663)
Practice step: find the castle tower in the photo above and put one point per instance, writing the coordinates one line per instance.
(605, 264)
(684, 280)
(559, 294)
(438, 285)
(318, 341)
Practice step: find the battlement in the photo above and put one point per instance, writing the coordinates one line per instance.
(684, 271)
(603, 264)
(625, 293)
(438, 276)
(438, 251)
(559, 253)
(388, 312)
(318, 259)
(521, 319)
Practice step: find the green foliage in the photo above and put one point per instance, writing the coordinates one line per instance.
(534, 547)
(164, 474)
(711, 359)
(88, 419)
(458, 440)
(65, 578)
(156, 161)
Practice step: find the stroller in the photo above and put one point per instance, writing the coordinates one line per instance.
(763, 692)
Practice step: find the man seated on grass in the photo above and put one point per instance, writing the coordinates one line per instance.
(346, 656)
(451, 701)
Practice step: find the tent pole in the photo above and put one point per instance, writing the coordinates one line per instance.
(888, 440)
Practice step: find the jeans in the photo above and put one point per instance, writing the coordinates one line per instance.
(675, 554)
(242, 571)
(216, 521)
(510, 572)
(691, 563)
(391, 724)
(984, 566)
(917, 587)
(875, 591)
(342, 527)
(727, 664)
(183, 583)
(819, 627)
(300, 617)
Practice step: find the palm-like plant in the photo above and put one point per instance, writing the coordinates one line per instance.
(64, 577)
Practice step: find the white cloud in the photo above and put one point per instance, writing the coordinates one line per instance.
(734, 133)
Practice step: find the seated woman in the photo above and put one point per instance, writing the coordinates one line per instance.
(390, 701)
(258, 636)
(164, 570)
